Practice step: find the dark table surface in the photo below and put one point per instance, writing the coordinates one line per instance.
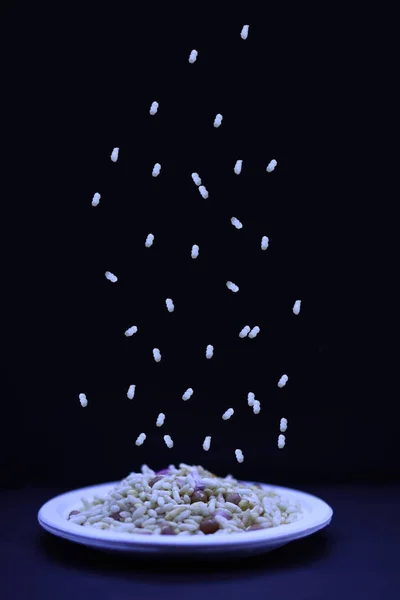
(357, 556)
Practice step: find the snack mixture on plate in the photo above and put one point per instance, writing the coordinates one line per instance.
(184, 501)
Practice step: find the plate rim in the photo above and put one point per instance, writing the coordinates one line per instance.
(51, 520)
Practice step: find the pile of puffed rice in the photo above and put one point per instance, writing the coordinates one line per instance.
(184, 501)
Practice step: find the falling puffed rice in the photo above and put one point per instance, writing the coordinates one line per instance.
(256, 407)
(111, 277)
(168, 441)
(239, 455)
(271, 166)
(160, 420)
(131, 331)
(193, 56)
(283, 424)
(251, 399)
(296, 307)
(156, 170)
(236, 223)
(283, 381)
(96, 199)
(244, 332)
(131, 391)
(195, 251)
(218, 120)
(156, 354)
(209, 351)
(114, 154)
(245, 32)
(207, 443)
(254, 332)
(170, 305)
(140, 439)
(149, 240)
(154, 108)
(83, 400)
(188, 394)
(238, 167)
(203, 191)
(281, 441)
(227, 414)
(196, 179)
(232, 286)
(264, 242)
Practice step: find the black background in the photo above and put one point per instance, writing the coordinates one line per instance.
(75, 85)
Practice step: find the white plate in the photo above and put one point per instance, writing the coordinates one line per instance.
(53, 517)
